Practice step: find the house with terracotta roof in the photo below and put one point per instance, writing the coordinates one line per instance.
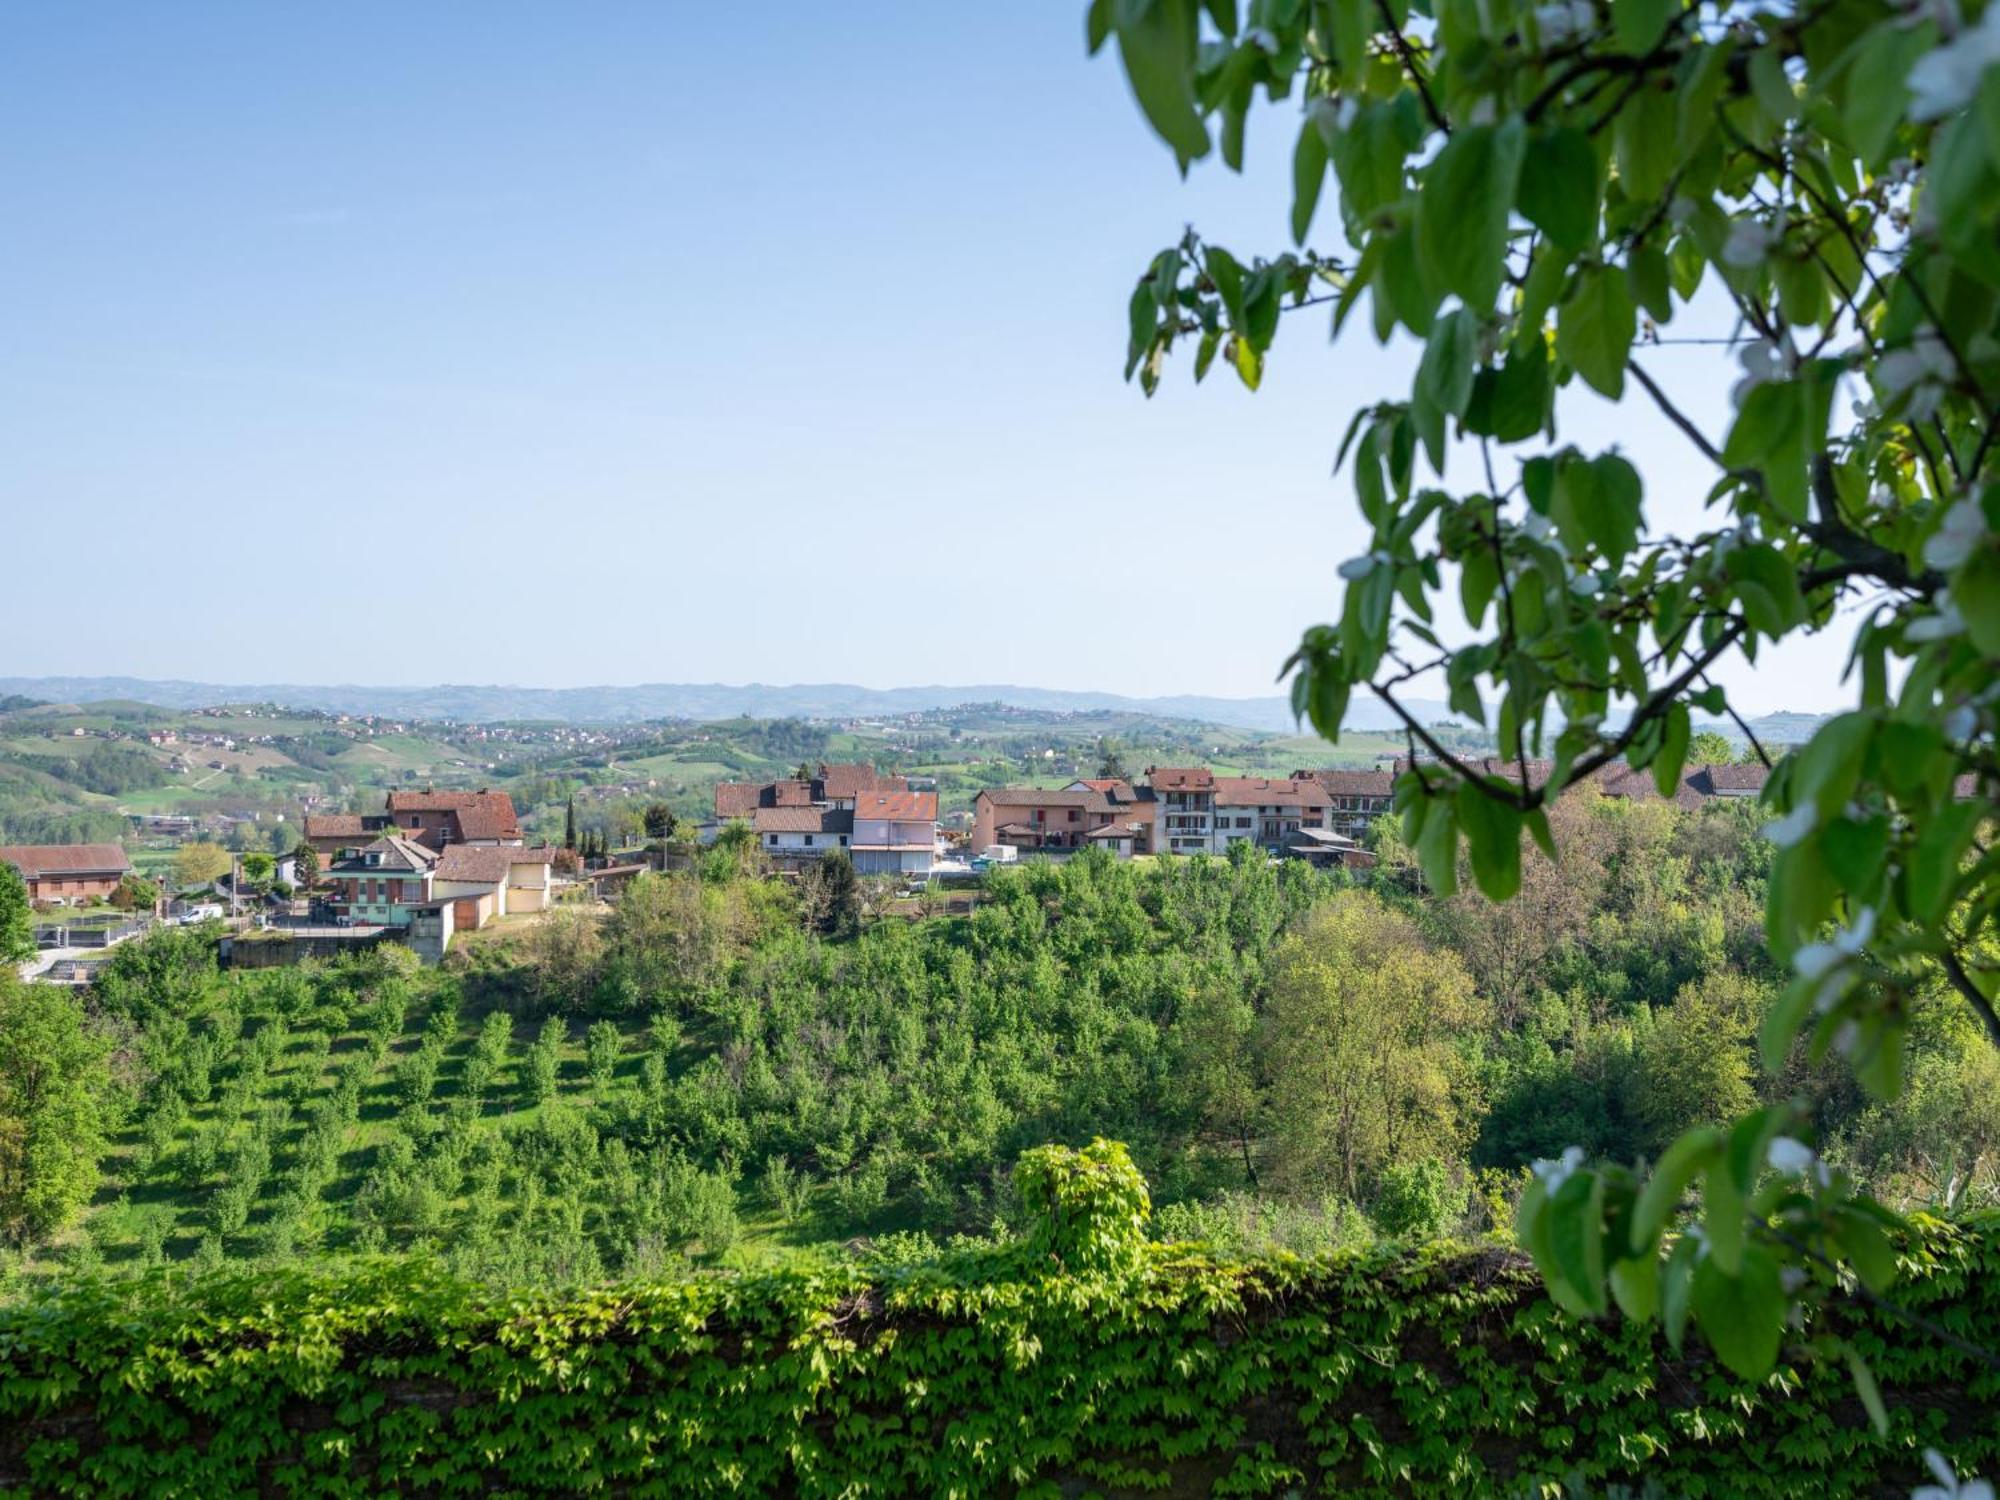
(836, 786)
(1357, 798)
(1184, 798)
(1043, 820)
(518, 879)
(437, 819)
(332, 834)
(72, 874)
(895, 833)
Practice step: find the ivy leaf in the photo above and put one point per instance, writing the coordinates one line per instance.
(1594, 330)
(1468, 194)
(1559, 187)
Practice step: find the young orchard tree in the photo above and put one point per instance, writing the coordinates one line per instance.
(17, 918)
(1539, 195)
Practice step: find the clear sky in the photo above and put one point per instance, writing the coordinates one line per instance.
(622, 342)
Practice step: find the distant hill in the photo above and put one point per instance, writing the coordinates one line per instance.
(666, 700)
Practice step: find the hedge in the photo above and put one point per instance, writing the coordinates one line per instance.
(1443, 1370)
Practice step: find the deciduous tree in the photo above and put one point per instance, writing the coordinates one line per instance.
(1541, 195)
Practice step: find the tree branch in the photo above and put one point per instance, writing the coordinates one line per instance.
(1954, 970)
(1410, 66)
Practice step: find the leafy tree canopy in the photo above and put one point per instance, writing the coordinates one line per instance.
(1537, 193)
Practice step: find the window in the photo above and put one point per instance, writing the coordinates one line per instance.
(809, 839)
(1072, 815)
(771, 840)
(843, 841)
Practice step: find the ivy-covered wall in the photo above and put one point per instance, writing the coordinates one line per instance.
(1052, 1369)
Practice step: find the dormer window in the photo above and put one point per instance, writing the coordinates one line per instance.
(374, 858)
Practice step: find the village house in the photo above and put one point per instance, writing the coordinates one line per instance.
(330, 834)
(895, 833)
(1357, 798)
(793, 836)
(1109, 813)
(71, 874)
(432, 894)
(835, 787)
(442, 818)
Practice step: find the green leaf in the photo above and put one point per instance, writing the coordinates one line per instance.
(1308, 176)
(1636, 1286)
(1643, 142)
(1638, 25)
(1248, 362)
(1675, 732)
(1722, 1215)
(1677, 1289)
(1866, 1389)
(1679, 1165)
(1559, 187)
(1743, 1315)
(1976, 592)
(1493, 840)
(1576, 1238)
(1512, 403)
(1468, 193)
(1445, 375)
(1867, 1249)
(1157, 43)
(1594, 330)
(1437, 848)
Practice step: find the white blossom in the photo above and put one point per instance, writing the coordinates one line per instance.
(1957, 537)
(1942, 625)
(1563, 20)
(1949, 1486)
(1555, 1172)
(1761, 361)
(1945, 79)
(1750, 242)
(1815, 959)
(1793, 826)
(1357, 568)
(1789, 1156)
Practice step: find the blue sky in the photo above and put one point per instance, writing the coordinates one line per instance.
(649, 342)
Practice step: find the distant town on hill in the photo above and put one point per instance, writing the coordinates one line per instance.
(644, 702)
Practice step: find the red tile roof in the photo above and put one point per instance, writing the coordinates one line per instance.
(34, 860)
(491, 814)
(898, 807)
(490, 866)
(791, 794)
(337, 826)
(840, 781)
(738, 799)
(802, 820)
(1181, 778)
(1341, 783)
(1262, 791)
